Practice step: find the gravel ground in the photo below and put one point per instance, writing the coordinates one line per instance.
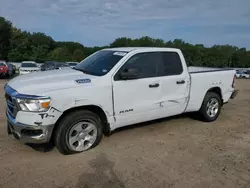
(174, 152)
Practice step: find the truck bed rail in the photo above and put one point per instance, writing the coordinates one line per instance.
(193, 70)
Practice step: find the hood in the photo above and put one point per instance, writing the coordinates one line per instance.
(40, 82)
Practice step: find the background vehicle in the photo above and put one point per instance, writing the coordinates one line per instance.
(48, 65)
(42, 67)
(72, 64)
(60, 65)
(110, 89)
(6, 69)
(242, 74)
(10, 69)
(28, 67)
(3, 69)
(51, 65)
(13, 68)
(238, 74)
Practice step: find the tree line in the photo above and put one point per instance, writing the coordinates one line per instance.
(17, 45)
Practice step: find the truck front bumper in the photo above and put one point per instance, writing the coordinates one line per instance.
(24, 72)
(31, 134)
(3, 74)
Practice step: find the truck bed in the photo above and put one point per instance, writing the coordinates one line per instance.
(202, 79)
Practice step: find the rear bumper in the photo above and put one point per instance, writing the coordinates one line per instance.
(37, 134)
(234, 94)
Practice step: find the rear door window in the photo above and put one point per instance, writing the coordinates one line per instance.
(171, 64)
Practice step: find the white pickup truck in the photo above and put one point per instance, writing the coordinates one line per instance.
(110, 89)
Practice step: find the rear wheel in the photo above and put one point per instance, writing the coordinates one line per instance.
(211, 107)
(78, 132)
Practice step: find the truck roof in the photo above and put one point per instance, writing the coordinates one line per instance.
(129, 49)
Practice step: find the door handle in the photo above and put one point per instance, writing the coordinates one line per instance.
(154, 85)
(180, 82)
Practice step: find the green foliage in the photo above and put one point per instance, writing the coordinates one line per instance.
(15, 56)
(90, 50)
(17, 45)
(39, 53)
(38, 39)
(72, 46)
(78, 55)
(122, 42)
(60, 54)
(5, 35)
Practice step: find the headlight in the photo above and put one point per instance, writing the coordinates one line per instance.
(34, 105)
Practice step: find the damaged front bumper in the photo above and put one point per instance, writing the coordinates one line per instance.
(30, 134)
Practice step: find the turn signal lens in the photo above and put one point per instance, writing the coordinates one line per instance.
(45, 104)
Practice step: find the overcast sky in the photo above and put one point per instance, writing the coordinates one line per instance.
(99, 22)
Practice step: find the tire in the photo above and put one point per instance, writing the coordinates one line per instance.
(71, 127)
(212, 114)
(7, 75)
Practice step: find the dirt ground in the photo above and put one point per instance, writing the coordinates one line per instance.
(174, 152)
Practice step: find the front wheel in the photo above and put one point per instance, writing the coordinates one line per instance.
(78, 132)
(8, 75)
(211, 107)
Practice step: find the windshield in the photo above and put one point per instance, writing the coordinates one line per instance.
(28, 65)
(2, 64)
(100, 63)
(72, 64)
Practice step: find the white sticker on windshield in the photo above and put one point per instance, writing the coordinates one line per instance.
(120, 53)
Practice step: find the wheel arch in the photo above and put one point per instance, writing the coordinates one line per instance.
(212, 92)
(218, 91)
(93, 108)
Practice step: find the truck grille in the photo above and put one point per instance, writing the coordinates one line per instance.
(11, 105)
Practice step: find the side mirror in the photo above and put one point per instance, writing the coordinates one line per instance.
(130, 73)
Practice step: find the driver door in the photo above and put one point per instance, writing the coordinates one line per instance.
(136, 99)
